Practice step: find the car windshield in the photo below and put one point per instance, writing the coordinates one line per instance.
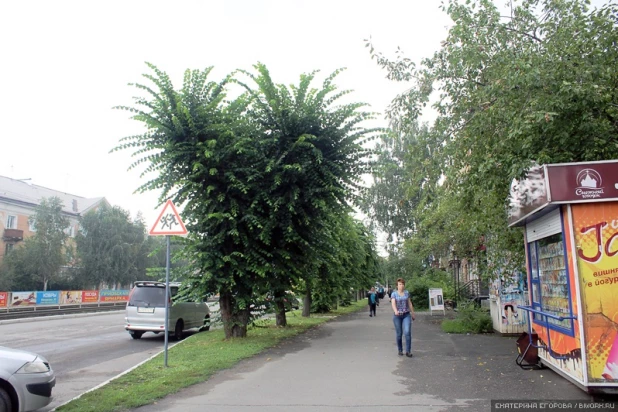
(148, 296)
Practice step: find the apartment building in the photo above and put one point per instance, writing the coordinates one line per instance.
(18, 201)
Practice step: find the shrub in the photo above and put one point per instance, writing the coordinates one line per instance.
(470, 319)
(419, 287)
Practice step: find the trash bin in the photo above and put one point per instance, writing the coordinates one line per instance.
(528, 352)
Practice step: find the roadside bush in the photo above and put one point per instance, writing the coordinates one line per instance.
(419, 287)
(470, 319)
(322, 301)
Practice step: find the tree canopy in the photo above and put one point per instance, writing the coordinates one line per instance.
(260, 177)
(531, 85)
(112, 249)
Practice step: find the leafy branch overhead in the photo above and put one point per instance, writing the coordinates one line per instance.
(534, 84)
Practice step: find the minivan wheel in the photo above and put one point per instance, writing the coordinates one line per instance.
(206, 325)
(178, 329)
(136, 334)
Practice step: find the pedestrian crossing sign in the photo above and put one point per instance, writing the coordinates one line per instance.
(168, 222)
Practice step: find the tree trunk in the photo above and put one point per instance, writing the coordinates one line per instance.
(280, 314)
(307, 303)
(234, 323)
(280, 309)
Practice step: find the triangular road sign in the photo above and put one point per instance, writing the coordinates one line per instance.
(168, 222)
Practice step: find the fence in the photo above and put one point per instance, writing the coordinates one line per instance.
(36, 299)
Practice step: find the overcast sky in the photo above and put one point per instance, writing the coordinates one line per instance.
(65, 64)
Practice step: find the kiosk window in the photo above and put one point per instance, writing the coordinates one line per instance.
(535, 284)
(550, 286)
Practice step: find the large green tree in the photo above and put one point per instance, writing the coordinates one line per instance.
(535, 84)
(257, 176)
(346, 262)
(404, 180)
(203, 152)
(315, 156)
(112, 249)
(17, 268)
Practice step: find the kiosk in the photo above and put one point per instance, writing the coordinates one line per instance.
(570, 217)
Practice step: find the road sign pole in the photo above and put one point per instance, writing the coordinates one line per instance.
(168, 223)
(168, 297)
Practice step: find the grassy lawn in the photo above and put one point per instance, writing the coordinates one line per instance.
(193, 361)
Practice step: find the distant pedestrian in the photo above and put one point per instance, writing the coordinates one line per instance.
(403, 316)
(372, 299)
(378, 297)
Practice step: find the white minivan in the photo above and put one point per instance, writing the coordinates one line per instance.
(145, 311)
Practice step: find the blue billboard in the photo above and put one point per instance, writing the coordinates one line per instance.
(48, 297)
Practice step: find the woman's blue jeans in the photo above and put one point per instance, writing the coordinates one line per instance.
(403, 327)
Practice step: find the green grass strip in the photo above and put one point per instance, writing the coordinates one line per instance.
(194, 361)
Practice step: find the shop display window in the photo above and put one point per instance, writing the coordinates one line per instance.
(550, 282)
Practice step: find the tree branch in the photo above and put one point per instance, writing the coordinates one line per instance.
(532, 36)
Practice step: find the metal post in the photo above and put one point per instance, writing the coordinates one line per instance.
(454, 263)
(167, 295)
(458, 291)
(454, 279)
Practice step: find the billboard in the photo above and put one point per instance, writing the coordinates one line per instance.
(90, 296)
(70, 297)
(436, 300)
(23, 299)
(596, 234)
(577, 182)
(4, 298)
(48, 297)
(114, 295)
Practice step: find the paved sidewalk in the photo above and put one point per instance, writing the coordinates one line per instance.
(351, 364)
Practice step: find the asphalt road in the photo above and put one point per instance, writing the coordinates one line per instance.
(84, 351)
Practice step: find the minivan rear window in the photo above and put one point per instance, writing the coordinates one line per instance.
(151, 296)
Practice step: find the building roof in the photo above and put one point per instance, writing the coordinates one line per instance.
(18, 191)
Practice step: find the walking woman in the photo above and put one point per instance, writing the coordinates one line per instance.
(404, 313)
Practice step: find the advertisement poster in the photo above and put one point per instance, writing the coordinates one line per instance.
(48, 297)
(70, 297)
(436, 300)
(596, 235)
(114, 295)
(90, 296)
(23, 299)
(4, 297)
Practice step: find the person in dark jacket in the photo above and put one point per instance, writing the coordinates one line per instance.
(372, 300)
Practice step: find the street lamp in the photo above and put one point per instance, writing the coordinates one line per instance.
(455, 263)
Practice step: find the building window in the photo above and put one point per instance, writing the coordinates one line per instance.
(8, 248)
(70, 231)
(11, 222)
(31, 225)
